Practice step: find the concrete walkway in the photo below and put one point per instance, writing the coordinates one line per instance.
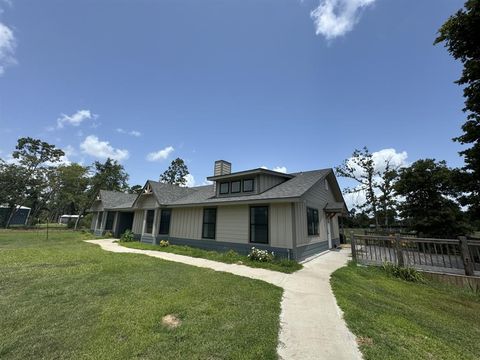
(312, 325)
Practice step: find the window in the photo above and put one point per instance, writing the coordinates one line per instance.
(259, 224)
(312, 221)
(209, 223)
(248, 185)
(235, 187)
(165, 221)
(149, 221)
(224, 188)
(110, 219)
(99, 220)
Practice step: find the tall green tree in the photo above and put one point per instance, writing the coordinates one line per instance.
(461, 36)
(428, 191)
(176, 173)
(34, 157)
(110, 175)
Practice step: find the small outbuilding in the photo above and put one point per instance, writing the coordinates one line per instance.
(20, 217)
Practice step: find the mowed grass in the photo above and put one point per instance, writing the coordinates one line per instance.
(395, 319)
(229, 257)
(63, 298)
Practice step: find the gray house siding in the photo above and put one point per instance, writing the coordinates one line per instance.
(266, 182)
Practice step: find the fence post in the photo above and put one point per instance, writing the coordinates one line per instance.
(354, 249)
(399, 250)
(467, 261)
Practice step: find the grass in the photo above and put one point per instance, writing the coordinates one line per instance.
(395, 319)
(65, 299)
(229, 257)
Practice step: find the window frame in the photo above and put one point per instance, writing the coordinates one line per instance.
(253, 224)
(239, 186)
(209, 223)
(313, 221)
(162, 213)
(253, 185)
(220, 188)
(146, 222)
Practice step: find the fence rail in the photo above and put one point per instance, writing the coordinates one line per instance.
(458, 256)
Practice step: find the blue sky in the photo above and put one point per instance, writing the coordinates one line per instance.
(276, 83)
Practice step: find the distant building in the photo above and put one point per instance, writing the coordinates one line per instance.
(20, 217)
(65, 219)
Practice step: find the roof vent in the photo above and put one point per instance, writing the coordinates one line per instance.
(222, 167)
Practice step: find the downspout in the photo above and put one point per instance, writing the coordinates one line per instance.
(294, 233)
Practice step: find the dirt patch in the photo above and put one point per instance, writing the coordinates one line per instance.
(364, 341)
(171, 321)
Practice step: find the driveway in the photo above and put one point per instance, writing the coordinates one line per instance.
(312, 325)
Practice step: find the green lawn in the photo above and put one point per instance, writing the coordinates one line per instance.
(66, 299)
(395, 319)
(229, 257)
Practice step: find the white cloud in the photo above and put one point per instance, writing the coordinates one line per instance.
(334, 18)
(190, 180)
(281, 169)
(160, 154)
(76, 119)
(8, 43)
(102, 149)
(132, 133)
(380, 158)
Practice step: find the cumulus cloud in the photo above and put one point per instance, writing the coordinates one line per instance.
(334, 18)
(281, 169)
(381, 158)
(75, 119)
(8, 43)
(190, 180)
(160, 154)
(132, 132)
(102, 149)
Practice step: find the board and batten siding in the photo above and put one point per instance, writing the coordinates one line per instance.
(266, 182)
(281, 225)
(146, 201)
(94, 221)
(317, 197)
(233, 224)
(186, 223)
(137, 226)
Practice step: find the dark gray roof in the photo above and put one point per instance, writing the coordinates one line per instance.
(250, 172)
(116, 199)
(168, 193)
(292, 188)
(335, 207)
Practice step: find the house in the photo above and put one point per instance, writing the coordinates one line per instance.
(295, 215)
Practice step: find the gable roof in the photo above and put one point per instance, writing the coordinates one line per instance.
(116, 199)
(295, 187)
(250, 172)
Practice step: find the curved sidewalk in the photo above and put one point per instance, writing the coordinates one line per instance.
(312, 325)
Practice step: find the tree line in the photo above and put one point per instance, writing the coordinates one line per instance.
(428, 196)
(36, 177)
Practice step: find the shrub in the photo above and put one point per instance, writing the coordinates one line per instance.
(404, 273)
(127, 236)
(164, 243)
(261, 255)
(108, 235)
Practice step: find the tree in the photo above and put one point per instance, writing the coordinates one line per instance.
(135, 189)
(387, 198)
(460, 35)
(428, 189)
(361, 168)
(35, 157)
(176, 173)
(110, 175)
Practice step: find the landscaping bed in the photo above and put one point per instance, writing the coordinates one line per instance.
(229, 257)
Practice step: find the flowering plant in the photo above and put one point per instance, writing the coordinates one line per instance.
(260, 255)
